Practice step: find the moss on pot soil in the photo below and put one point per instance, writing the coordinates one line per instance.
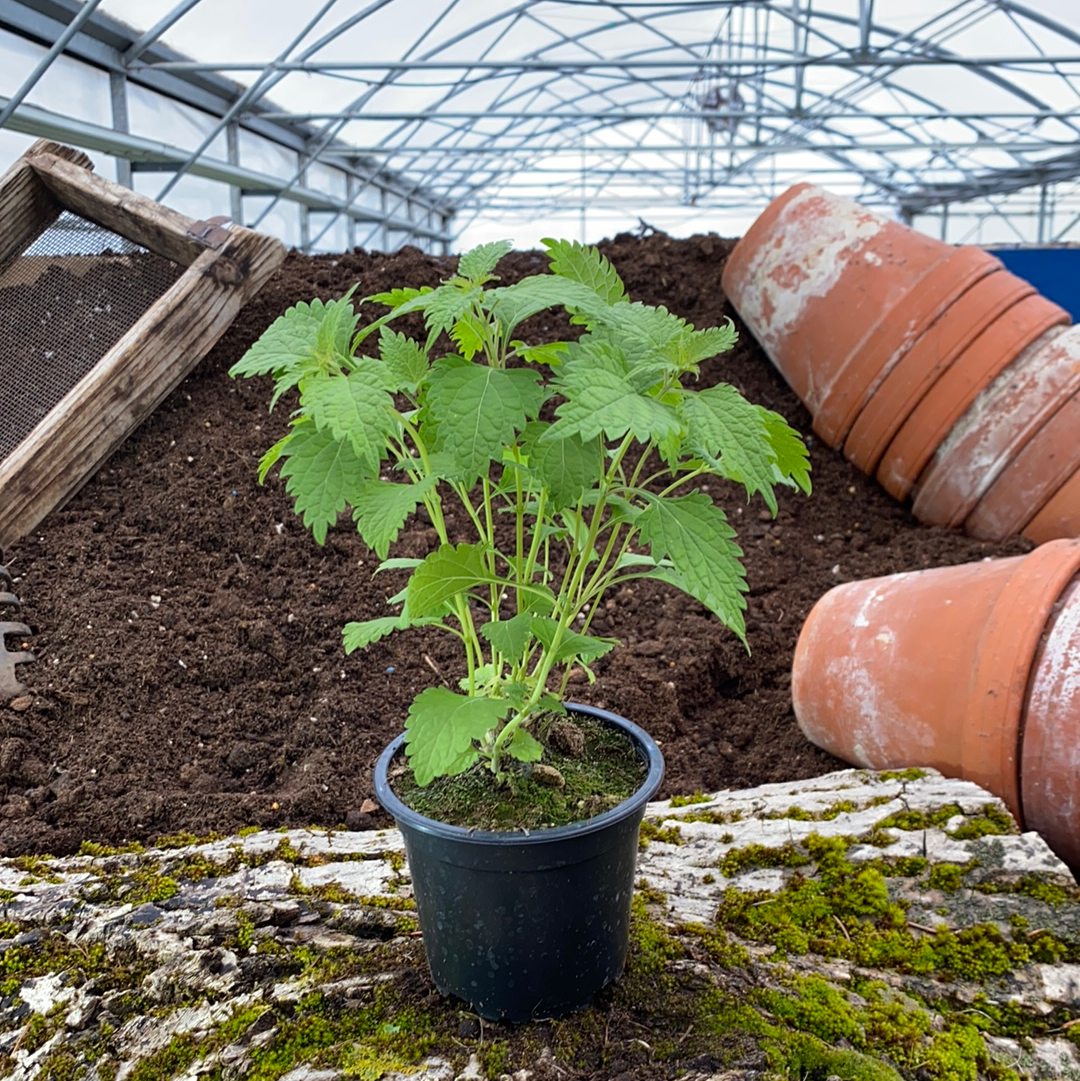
(606, 772)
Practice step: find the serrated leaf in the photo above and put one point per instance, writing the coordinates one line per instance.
(551, 354)
(397, 563)
(445, 307)
(694, 534)
(731, 434)
(509, 636)
(289, 341)
(602, 400)
(524, 747)
(566, 467)
(572, 646)
(406, 363)
(443, 575)
(476, 265)
(440, 730)
(322, 474)
(792, 457)
(337, 328)
(476, 410)
(468, 335)
(270, 458)
(402, 301)
(380, 509)
(512, 304)
(577, 262)
(355, 408)
(360, 635)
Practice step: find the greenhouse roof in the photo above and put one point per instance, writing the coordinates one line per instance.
(483, 118)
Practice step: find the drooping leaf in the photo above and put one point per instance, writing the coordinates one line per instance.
(354, 408)
(579, 263)
(322, 474)
(445, 307)
(512, 304)
(337, 328)
(694, 534)
(550, 354)
(360, 635)
(792, 457)
(476, 410)
(731, 434)
(509, 636)
(476, 265)
(445, 573)
(380, 509)
(440, 730)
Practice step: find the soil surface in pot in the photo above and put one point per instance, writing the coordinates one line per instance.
(190, 676)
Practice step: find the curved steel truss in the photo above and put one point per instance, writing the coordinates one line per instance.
(460, 113)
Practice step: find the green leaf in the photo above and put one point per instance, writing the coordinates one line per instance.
(732, 436)
(566, 466)
(579, 263)
(322, 474)
(380, 509)
(406, 363)
(443, 575)
(510, 636)
(337, 328)
(792, 457)
(468, 334)
(354, 408)
(290, 339)
(550, 354)
(477, 265)
(398, 563)
(270, 458)
(572, 646)
(524, 747)
(476, 410)
(402, 301)
(603, 400)
(512, 304)
(445, 307)
(363, 634)
(694, 534)
(440, 730)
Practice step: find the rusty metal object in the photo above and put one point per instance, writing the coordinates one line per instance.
(10, 606)
(213, 232)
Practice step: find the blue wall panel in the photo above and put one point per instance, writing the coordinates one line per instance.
(1055, 272)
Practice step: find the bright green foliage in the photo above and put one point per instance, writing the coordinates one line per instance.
(605, 493)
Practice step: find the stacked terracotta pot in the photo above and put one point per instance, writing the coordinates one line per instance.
(973, 670)
(936, 370)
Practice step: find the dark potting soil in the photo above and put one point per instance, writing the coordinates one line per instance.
(190, 675)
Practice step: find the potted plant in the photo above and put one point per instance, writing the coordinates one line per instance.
(574, 465)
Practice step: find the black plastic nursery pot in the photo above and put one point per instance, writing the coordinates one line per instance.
(526, 926)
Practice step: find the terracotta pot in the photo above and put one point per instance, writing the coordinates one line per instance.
(834, 293)
(1050, 762)
(931, 668)
(1060, 515)
(958, 386)
(1026, 485)
(907, 383)
(999, 424)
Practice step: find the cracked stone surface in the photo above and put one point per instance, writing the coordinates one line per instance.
(169, 947)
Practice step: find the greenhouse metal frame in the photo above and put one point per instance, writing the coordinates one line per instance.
(395, 121)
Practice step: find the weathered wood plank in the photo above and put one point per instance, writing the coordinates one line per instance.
(129, 382)
(125, 212)
(27, 208)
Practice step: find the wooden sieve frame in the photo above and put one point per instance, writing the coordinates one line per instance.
(224, 267)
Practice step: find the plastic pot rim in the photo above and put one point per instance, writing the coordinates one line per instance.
(628, 808)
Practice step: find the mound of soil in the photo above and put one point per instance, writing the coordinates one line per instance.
(190, 675)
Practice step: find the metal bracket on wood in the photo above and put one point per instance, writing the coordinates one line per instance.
(213, 232)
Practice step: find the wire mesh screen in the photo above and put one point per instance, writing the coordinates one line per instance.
(64, 303)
